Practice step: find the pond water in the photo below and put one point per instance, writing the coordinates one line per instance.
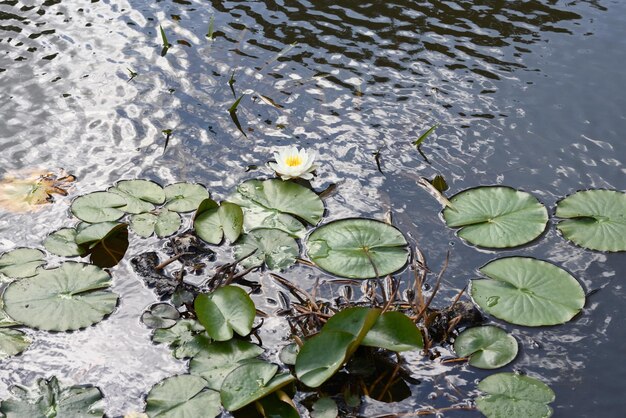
(527, 94)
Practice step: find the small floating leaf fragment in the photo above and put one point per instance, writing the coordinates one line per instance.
(209, 33)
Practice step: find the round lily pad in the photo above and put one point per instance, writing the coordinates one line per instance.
(358, 248)
(270, 246)
(227, 309)
(514, 396)
(184, 197)
(66, 298)
(526, 291)
(213, 222)
(63, 243)
(496, 216)
(489, 347)
(284, 196)
(145, 190)
(21, 262)
(98, 207)
(164, 224)
(594, 219)
(160, 316)
(182, 396)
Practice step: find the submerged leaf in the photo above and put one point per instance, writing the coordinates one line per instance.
(27, 191)
(160, 315)
(186, 338)
(514, 396)
(526, 291)
(594, 219)
(496, 216)
(358, 248)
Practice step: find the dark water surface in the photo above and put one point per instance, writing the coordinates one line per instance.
(528, 94)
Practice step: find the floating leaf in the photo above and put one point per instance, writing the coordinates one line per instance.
(212, 222)
(289, 353)
(530, 292)
(217, 360)
(324, 407)
(12, 342)
(29, 190)
(66, 298)
(182, 396)
(99, 207)
(184, 197)
(63, 243)
(514, 396)
(21, 262)
(105, 242)
(227, 309)
(186, 338)
(321, 356)
(358, 248)
(284, 196)
(489, 347)
(496, 216)
(251, 381)
(48, 399)
(394, 331)
(164, 224)
(273, 247)
(140, 195)
(160, 315)
(595, 219)
(5, 320)
(256, 216)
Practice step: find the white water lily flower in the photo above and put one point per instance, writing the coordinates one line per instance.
(291, 163)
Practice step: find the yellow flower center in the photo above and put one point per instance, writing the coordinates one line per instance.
(293, 160)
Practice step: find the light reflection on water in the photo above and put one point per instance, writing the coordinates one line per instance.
(526, 94)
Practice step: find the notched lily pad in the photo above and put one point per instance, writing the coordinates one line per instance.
(213, 222)
(526, 291)
(160, 315)
(394, 331)
(63, 243)
(272, 247)
(488, 347)
(358, 248)
(12, 342)
(496, 216)
(182, 396)
(21, 262)
(105, 242)
(186, 338)
(165, 223)
(98, 207)
(514, 396)
(66, 298)
(225, 310)
(184, 197)
(594, 219)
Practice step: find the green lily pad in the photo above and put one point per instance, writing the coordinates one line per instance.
(321, 356)
(21, 262)
(63, 243)
(289, 353)
(98, 207)
(272, 247)
(514, 396)
(184, 197)
(164, 224)
(133, 204)
(160, 315)
(49, 397)
(227, 309)
(145, 190)
(526, 291)
(182, 396)
(251, 381)
(5, 320)
(489, 347)
(66, 298)
(105, 242)
(595, 219)
(256, 216)
(496, 216)
(215, 362)
(12, 342)
(358, 248)
(284, 196)
(187, 338)
(213, 222)
(394, 331)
